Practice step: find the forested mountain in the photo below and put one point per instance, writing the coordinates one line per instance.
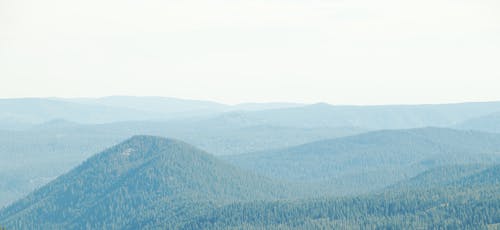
(272, 155)
(487, 177)
(176, 106)
(439, 176)
(490, 123)
(39, 154)
(39, 110)
(471, 202)
(156, 183)
(33, 158)
(161, 105)
(20, 113)
(368, 117)
(373, 160)
(141, 181)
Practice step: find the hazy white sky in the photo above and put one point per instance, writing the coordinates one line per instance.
(337, 51)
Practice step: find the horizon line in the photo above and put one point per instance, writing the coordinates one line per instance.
(298, 103)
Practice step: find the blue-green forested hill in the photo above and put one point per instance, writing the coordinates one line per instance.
(137, 181)
(373, 160)
(151, 182)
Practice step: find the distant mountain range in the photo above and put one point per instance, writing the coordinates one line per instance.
(150, 182)
(140, 180)
(266, 165)
(468, 202)
(42, 152)
(373, 160)
(488, 123)
(169, 105)
(20, 113)
(367, 117)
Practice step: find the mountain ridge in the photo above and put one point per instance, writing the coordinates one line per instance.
(391, 155)
(157, 173)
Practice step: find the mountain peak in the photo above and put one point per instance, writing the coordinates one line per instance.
(140, 139)
(140, 149)
(159, 173)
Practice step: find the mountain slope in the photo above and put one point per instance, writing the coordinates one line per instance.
(487, 177)
(170, 106)
(19, 113)
(368, 117)
(133, 182)
(489, 123)
(38, 110)
(472, 202)
(375, 159)
(36, 155)
(439, 176)
(458, 176)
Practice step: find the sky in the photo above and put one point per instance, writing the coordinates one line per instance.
(233, 51)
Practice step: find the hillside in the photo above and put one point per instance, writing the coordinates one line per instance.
(439, 176)
(489, 123)
(368, 117)
(38, 154)
(178, 106)
(39, 110)
(487, 177)
(21, 113)
(144, 179)
(150, 182)
(373, 160)
(473, 202)
(162, 105)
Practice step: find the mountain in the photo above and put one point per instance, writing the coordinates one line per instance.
(226, 138)
(368, 117)
(151, 182)
(145, 179)
(439, 177)
(35, 156)
(459, 176)
(472, 202)
(487, 177)
(18, 113)
(455, 176)
(39, 110)
(38, 154)
(166, 106)
(489, 123)
(177, 106)
(373, 160)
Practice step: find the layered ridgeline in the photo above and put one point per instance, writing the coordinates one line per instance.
(373, 160)
(155, 183)
(470, 201)
(20, 113)
(368, 117)
(144, 181)
(490, 123)
(438, 177)
(39, 154)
